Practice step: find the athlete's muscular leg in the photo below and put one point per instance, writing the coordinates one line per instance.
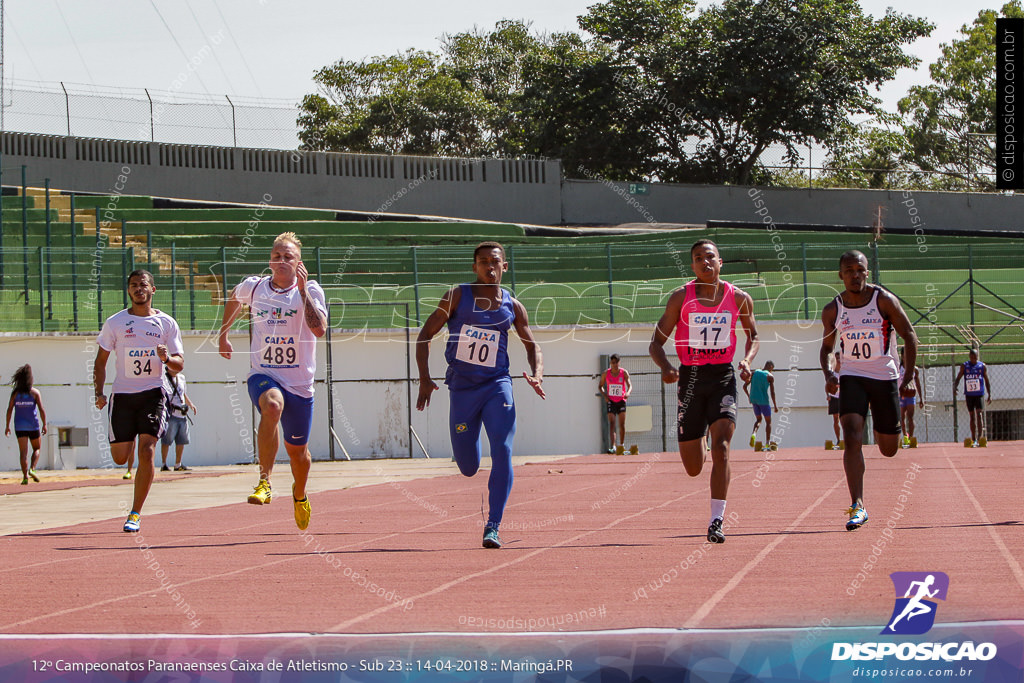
(268, 433)
(721, 436)
(853, 454)
(146, 470)
(300, 462)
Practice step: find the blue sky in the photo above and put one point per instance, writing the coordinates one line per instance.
(271, 48)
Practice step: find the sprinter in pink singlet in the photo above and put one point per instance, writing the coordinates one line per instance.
(616, 387)
(862, 319)
(703, 314)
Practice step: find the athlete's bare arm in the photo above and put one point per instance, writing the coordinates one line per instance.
(771, 388)
(629, 385)
(449, 302)
(745, 305)
(828, 342)
(891, 309)
(315, 319)
(956, 382)
(988, 385)
(232, 307)
(663, 332)
(600, 384)
(99, 376)
(533, 354)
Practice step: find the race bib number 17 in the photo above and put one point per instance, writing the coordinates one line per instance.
(710, 330)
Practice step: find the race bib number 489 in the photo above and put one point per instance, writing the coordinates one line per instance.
(278, 352)
(478, 346)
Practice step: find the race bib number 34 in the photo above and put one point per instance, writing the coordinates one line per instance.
(142, 362)
(478, 346)
(710, 330)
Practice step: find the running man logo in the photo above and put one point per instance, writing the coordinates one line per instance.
(461, 427)
(914, 612)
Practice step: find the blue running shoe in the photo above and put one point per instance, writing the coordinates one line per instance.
(132, 524)
(491, 539)
(858, 517)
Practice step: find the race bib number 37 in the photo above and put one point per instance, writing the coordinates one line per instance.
(710, 330)
(142, 362)
(478, 346)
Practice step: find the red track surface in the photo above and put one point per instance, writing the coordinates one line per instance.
(585, 537)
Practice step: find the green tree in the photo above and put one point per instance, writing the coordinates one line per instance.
(404, 104)
(723, 84)
(949, 121)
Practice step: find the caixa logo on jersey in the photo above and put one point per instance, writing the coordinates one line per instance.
(914, 614)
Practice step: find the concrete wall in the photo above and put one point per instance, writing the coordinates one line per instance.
(519, 191)
(590, 201)
(371, 410)
(508, 190)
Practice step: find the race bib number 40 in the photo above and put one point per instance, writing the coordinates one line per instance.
(478, 346)
(142, 362)
(710, 330)
(862, 344)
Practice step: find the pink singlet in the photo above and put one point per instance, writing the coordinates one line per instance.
(704, 335)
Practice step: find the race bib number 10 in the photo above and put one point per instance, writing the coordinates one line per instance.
(478, 346)
(142, 362)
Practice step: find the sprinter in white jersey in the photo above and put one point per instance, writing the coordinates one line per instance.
(289, 314)
(863, 318)
(145, 340)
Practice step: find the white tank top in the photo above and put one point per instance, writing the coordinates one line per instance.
(867, 341)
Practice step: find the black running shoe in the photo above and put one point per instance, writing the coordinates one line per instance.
(715, 534)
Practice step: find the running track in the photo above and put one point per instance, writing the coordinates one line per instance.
(585, 536)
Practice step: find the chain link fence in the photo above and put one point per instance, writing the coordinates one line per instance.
(149, 115)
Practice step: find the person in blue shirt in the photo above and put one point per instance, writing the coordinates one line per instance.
(478, 316)
(756, 388)
(27, 406)
(976, 385)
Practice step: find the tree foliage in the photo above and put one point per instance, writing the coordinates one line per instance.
(654, 89)
(948, 120)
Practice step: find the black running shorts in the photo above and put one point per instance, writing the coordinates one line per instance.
(134, 414)
(706, 393)
(858, 394)
(975, 403)
(615, 407)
